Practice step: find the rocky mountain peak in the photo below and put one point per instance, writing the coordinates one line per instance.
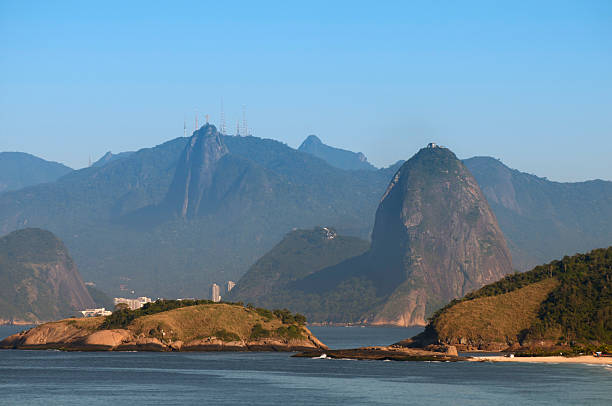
(436, 236)
(340, 158)
(195, 170)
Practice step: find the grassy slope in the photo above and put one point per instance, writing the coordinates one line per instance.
(571, 300)
(225, 321)
(495, 318)
(203, 321)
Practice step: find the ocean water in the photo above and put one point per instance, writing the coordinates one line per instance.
(99, 378)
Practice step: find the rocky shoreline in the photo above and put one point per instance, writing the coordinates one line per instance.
(387, 353)
(66, 337)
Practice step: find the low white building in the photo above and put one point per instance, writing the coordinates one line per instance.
(95, 312)
(133, 304)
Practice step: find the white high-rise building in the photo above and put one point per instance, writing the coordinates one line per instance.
(215, 293)
(230, 285)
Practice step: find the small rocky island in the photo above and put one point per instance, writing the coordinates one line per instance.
(395, 352)
(189, 325)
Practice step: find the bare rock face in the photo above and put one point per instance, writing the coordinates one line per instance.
(195, 171)
(38, 279)
(435, 239)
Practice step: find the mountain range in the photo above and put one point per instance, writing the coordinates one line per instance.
(434, 239)
(127, 231)
(124, 225)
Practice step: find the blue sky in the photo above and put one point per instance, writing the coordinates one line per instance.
(527, 82)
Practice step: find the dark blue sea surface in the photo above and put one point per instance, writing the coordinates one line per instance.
(101, 378)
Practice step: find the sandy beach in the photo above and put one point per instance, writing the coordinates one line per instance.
(583, 359)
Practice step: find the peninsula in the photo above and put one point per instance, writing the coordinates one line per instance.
(189, 325)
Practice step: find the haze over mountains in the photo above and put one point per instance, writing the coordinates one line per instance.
(541, 219)
(38, 279)
(435, 239)
(123, 228)
(340, 158)
(19, 170)
(124, 224)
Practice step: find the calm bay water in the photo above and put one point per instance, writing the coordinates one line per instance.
(53, 377)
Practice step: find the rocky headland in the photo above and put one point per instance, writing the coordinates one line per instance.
(203, 327)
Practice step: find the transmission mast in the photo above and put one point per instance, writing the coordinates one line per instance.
(222, 123)
(245, 128)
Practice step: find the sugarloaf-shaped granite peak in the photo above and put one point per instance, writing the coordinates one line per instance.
(436, 234)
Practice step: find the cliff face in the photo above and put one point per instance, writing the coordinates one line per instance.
(38, 279)
(435, 239)
(542, 219)
(195, 171)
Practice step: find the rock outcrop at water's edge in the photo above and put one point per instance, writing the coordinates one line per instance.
(389, 353)
(194, 328)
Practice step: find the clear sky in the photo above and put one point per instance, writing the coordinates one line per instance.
(529, 82)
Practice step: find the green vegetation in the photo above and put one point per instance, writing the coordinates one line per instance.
(582, 304)
(123, 317)
(226, 336)
(259, 332)
(566, 303)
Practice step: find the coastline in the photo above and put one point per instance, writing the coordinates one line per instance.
(582, 359)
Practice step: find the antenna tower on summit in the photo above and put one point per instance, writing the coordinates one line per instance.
(222, 123)
(237, 128)
(196, 122)
(184, 128)
(245, 129)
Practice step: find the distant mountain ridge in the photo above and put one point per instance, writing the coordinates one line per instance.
(19, 170)
(542, 219)
(124, 227)
(110, 157)
(115, 220)
(340, 158)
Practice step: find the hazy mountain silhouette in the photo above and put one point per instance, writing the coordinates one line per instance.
(110, 157)
(38, 279)
(19, 170)
(340, 158)
(435, 239)
(124, 223)
(541, 219)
